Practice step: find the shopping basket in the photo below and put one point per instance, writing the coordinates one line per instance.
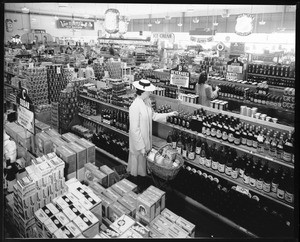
(164, 172)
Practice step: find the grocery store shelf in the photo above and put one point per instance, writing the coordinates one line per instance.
(258, 105)
(214, 214)
(111, 156)
(239, 181)
(103, 124)
(242, 148)
(281, 77)
(175, 88)
(104, 103)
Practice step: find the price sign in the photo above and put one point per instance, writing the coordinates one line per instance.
(235, 66)
(25, 111)
(180, 76)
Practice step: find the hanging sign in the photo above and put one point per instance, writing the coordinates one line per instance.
(201, 40)
(180, 76)
(235, 66)
(237, 48)
(25, 111)
(220, 46)
(76, 24)
(39, 31)
(244, 24)
(163, 36)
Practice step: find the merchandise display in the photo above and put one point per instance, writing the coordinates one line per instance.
(66, 169)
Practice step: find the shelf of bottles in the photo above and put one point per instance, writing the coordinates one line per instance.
(276, 75)
(99, 121)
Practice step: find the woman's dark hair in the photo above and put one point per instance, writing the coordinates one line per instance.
(139, 92)
(202, 78)
(90, 62)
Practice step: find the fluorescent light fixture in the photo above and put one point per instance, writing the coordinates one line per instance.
(196, 20)
(167, 17)
(149, 25)
(262, 22)
(157, 21)
(25, 10)
(215, 24)
(179, 24)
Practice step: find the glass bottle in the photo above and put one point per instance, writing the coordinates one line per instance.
(250, 136)
(289, 189)
(259, 180)
(235, 170)
(279, 148)
(253, 176)
(222, 161)
(260, 143)
(202, 154)
(185, 147)
(273, 146)
(215, 159)
(267, 143)
(288, 149)
(280, 188)
(169, 138)
(174, 140)
(208, 157)
(191, 151)
(267, 181)
(198, 148)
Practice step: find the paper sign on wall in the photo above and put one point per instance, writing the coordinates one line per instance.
(180, 76)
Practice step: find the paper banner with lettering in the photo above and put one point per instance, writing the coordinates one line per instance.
(180, 76)
(163, 36)
(25, 111)
(201, 40)
(76, 24)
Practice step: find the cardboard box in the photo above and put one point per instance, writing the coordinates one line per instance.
(128, 183)
(118, 189)
(171, 234)
(145, 207)
(110, 173)
(26, 186)
(142, 230)
(112, 194)
(106, 202)
(157, 227)
(97, 188)
(57, 142)
(161, 193)
(163, 221)
(43, 214)
(115, 210)
(129, 204)
(59, 234)
(168, 214)
(142, 219)
(130, 233)
(125, 188)
(93, 174)
(62, 218)
(52, 133)
(71, 230)
(156, 199)
(132, 195)
(25, 139)
(60, 203)
(109, 233)
(80, 159)
(69, 157)
(186, 225)
(181, 233)
(70, 137)
(87, 223)
(43, 143)
(91, 149)
(154, 233)
(58, 166)
(122, 224)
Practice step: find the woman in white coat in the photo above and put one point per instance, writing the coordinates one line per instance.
(141, 115)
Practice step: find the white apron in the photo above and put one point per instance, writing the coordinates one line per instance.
(140, 134)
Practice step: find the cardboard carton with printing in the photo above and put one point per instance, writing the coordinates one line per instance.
(91, 149)
(186, 225)
(71, 230)
(122, 224)
(87, 223)
(69, 157)
(110, 173)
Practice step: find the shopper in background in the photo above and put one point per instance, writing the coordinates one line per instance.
(89, 71)
(141, 115)
(111, 50)
(204, 91)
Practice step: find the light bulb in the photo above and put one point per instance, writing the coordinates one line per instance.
(179, 24)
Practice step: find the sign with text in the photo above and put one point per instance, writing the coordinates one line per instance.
(164, 36)
(39, 31)
(180, 76)
(25, 111)
(201, 40)
(237, 48)
(124, 41)
(76, 24)
(235, 66)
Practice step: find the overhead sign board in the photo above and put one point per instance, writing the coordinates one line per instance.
(75, 24)
(180, 76)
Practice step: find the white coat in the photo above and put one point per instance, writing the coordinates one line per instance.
(140, 133)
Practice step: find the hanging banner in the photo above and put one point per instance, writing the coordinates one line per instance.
(163, 36)
(25, 111)
(77, 24)
(180, 76)
(201, 40)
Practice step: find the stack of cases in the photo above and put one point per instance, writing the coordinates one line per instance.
(114, 70)
(36, 186)
(56, 81)
(37, 85)
(67, 107)
(54, 115)
(289, 98)
(99, 70)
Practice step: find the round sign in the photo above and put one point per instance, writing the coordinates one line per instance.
(220, 46)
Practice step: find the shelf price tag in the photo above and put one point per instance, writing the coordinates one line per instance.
(242, 190)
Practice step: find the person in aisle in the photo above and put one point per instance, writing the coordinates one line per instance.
(204, 90)
(89, 71)
(141, 115)
(112, 50)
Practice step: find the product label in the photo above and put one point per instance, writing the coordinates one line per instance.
(289, 197)
(179, 150)
(252, 182)
(287, 156)
(191, 155)
(174, 145)
(184, 153)
(203, 130)
(208, 131)
(208, 162)
(198, 150)
(259, 184)
(213, 132)
(234, 174)
(244, 141)
(224, 135)
(246, 179)
(254, 144)
(219, 134)
(221, 168)
(274, 187)
(202, 160)
(228, 170)
(280, 193)
(230, 138)
(249, 142)
(266, 187)
(237, 141)
(214, 165)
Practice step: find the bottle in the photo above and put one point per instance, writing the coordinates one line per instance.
(250, 136)
(228, 166)
(208, 157)
(237, 136)
(208, 126)
(191, 154)
(244, 136)
(267, 181)
(241, 166)
(202, 154)
(179, 145)
(259, 180)
(225, 130)
(275, 181)
(254, 141)
(221, 165)
(279, 148)
(281, 188)
(267, 143)
(198, 148)
(125, 122)
(289, 189)
(174, 140)
(204, 124)
(231, 133)
(246, 177)
(273, 146)
(260, 143)
(235, 170)
(213, 131)
(253, 176)
(169, 139)
(185, 147)
(288, 149)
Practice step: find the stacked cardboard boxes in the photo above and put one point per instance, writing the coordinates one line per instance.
(54, 115)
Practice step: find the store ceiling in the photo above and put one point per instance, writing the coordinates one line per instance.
(143, 10)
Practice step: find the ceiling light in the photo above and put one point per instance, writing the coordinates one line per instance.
(167, 17)
(225, 13)
(25, 10)
(56, 18)
(262, 22)
(149, 25)
(179, 24)
(196, 20)
(215, 24)
(86, 16)
(157, 21)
